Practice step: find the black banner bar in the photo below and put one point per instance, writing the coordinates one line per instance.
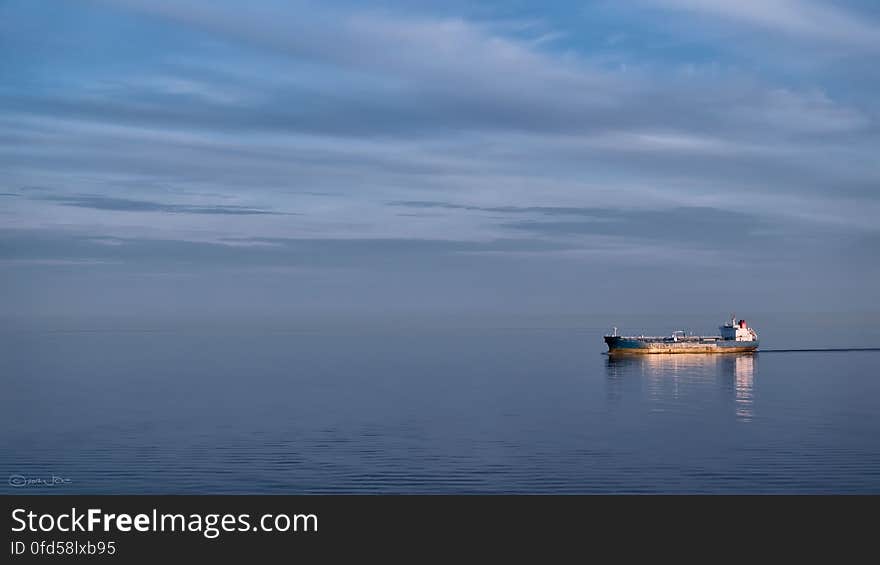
(125, 529)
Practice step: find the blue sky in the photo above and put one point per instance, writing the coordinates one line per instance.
(165, 157)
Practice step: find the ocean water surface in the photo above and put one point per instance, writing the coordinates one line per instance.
(431, 408)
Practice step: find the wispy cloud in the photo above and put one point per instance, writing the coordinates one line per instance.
(548, 210)
(806, 18)
(127, 205)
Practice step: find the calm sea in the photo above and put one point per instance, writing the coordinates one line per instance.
(432, 408)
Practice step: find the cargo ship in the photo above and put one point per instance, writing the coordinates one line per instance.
(736, 337)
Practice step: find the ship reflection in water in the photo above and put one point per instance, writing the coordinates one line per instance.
(669, 381)
(744, 375)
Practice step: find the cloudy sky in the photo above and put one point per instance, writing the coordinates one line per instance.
(170, 156)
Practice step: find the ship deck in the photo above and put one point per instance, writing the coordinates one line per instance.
(669, 339)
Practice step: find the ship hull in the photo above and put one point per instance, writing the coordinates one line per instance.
(618, 345)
